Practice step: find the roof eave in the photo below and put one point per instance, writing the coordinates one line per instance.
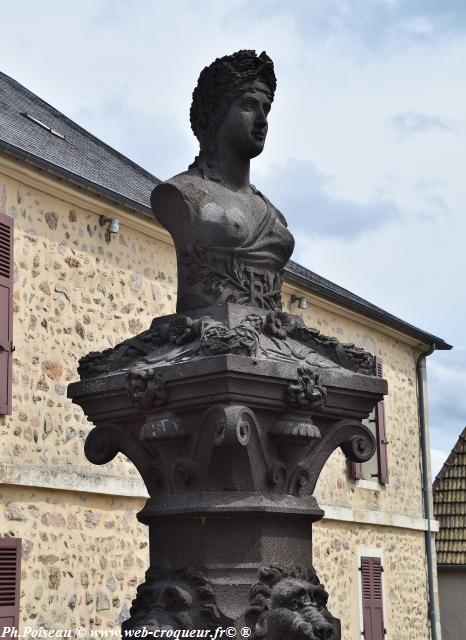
(60, 172)
(375, 313)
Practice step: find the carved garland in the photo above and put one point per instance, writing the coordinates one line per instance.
(307, 393)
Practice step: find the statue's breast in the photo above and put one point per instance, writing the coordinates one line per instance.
(227, 223)
(231, 246)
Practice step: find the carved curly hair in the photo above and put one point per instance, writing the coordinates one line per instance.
(182, 575)
(260, 597)
(221, 83)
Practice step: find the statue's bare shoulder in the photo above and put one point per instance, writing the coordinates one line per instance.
(177, 200)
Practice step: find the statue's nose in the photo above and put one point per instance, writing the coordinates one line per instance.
(174, 599)
(261, 118)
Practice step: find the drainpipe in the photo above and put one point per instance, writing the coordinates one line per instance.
(426, 483)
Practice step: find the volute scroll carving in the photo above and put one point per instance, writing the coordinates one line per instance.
(104, 442)
(355, 440)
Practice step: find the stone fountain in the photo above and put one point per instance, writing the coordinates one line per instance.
(230, 407)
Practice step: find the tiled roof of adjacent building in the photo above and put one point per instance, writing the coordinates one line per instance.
(449, 493)
(35, 132)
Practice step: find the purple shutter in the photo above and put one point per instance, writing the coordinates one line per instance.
(382, 459)
(10, 566)
(6, 311)
(372, 600)
(356, 470)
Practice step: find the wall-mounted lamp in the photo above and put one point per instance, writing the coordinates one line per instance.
(113, 224)
(303, 302)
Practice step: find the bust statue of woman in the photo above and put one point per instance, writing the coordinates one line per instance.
(231, 242)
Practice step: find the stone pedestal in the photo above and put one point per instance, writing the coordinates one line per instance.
(229, 414)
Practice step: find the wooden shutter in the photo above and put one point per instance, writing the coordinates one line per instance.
(382, 460)
(372, 598)
(6, 311)
(10, 566)
(356, 470)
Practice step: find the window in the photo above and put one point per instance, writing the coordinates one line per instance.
(371, 595)
(6, 311)
(10, 564)
(377, 467)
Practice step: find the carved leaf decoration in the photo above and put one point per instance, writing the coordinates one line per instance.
(229, 280)
(345, 354)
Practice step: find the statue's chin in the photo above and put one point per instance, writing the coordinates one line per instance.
(256, 148)
(256, 153)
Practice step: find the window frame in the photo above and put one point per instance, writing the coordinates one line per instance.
(371, 552)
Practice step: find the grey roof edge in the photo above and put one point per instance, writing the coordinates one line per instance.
(80, 181)
(74, 125)
(299, 275)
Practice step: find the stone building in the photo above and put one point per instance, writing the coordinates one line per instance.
(74, 286)
(450, 510)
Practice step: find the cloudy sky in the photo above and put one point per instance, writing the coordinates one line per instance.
(366, 154)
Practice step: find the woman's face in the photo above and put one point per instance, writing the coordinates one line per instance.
(244, 128)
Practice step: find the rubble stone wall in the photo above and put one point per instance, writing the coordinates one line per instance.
(335, 549)
(83, 555)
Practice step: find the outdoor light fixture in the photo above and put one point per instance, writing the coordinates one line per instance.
(303, 302)
(113, 224)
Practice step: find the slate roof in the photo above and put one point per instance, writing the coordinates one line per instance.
(325, 288)
(68, 151)
(36, 132)
(449, 492)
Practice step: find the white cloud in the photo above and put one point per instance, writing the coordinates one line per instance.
(408, 124)
(447, 397)
(306, 196)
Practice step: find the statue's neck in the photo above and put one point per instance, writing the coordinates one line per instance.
(231, 171)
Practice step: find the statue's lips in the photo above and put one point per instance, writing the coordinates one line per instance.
(258, 135)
